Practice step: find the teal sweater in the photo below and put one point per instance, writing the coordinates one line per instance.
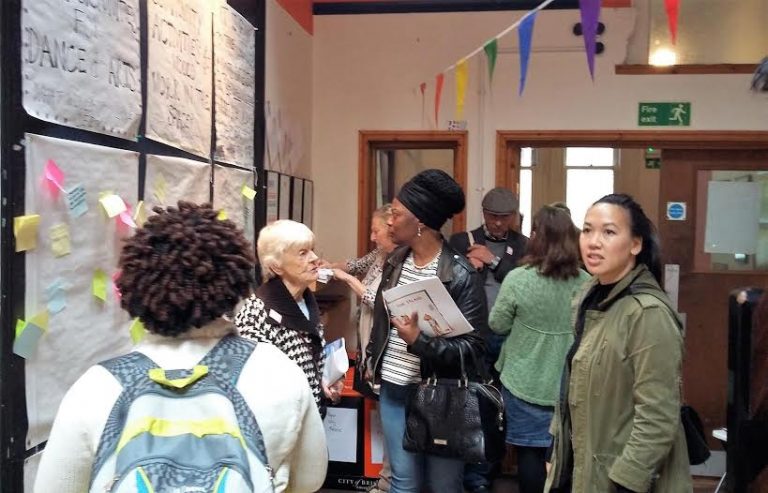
(534, 311)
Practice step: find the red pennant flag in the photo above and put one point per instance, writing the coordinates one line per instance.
(423, 89)
(438, 92)
(672, 7)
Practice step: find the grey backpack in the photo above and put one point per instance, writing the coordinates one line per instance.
(182, 431)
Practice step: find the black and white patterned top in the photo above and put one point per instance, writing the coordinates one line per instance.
(263, 320)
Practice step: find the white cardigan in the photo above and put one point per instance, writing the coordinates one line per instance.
(272, 385)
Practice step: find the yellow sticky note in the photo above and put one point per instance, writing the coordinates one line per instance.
(20, 326)
(160, 188)
(113, 205)
(248, 192)
(99, 284)
(25, 231)
(137, 331)
(60, 244)
(140, 215)
(41, 320)
(222, 215)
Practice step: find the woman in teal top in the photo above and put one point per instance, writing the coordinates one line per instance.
(533, 310)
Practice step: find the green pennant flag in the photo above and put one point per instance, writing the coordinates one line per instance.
(491, 49)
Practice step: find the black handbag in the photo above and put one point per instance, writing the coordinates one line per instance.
(698, 450)
(456, 418)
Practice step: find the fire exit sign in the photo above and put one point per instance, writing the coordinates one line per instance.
(664, 115)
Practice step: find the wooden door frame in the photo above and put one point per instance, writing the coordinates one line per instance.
(371, 140)
(508, 144)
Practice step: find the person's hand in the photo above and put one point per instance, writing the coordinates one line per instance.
(407, 327)
(477, 264)
(333, 391)
(548, 466)
(340, 275)
(481, 253)
(323, 264)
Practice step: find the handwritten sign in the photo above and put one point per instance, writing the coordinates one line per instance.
(179, 74)
(80, 64)
(341, 434)
(76, 201)
(235, 48)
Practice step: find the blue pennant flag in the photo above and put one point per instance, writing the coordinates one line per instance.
(525, 34)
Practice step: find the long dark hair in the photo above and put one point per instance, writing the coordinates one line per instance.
(554, 247)
(642, 228)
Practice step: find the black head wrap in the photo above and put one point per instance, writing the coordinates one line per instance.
(433, 196)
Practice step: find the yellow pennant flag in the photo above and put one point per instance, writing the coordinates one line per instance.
(462, 75)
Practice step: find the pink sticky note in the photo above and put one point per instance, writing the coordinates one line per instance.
(54, 178)
(125, 218)
(116, 290)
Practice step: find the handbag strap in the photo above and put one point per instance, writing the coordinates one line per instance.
(464, 378)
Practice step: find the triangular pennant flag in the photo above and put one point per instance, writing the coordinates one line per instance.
(461, 87)
(590, 16)
(672, 7)
(491, 49)
(439, 79)
(525, 34)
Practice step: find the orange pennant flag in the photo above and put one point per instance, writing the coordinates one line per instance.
(461, 87)
(439, 79)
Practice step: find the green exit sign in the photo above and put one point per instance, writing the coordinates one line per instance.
(664, 114)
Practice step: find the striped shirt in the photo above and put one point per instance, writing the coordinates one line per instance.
(399, 366)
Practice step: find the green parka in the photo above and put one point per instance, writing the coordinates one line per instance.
(623, 395)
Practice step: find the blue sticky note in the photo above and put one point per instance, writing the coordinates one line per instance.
(25, 343)
(57, 302)
(76, 201)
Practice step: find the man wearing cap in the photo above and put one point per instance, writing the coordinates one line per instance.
(494, 249)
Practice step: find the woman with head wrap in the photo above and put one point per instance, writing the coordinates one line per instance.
(401, 355)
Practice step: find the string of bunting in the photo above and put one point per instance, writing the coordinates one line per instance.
(590, 17)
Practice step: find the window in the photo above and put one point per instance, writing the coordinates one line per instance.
(589, 176)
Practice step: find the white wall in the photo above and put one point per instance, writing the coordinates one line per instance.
(288, 88)
(367, 69)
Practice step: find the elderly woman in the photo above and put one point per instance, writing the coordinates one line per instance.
(401, 355)
(181, 273)
(283, 310)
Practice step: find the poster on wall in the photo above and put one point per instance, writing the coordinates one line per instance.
(179, 74)
(231, 195)
(273, 192)
(170, 179)
(297, 207)
(235, 71)
(284, 208)
(74, 188)
(307, 215)
(80, 64)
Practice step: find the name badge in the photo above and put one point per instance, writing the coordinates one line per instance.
(510, 250)
(275, 316)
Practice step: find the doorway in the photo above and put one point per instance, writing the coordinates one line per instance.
(388, 159)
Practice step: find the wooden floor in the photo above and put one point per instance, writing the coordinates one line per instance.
(509, 485)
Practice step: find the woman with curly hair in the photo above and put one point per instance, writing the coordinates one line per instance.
(182, 272)
(283, 310)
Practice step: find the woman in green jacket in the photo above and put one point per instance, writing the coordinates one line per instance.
(617, 428)
(532, 311)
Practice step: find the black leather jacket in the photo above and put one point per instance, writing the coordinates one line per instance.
(439, 355)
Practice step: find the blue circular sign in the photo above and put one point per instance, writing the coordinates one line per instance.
(675, 210)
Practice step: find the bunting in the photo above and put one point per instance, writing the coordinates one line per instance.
(590, 16)
(438, 92)
(525, 35)
(423, 90)
(461, 87)
(491, 50)
(672, 7)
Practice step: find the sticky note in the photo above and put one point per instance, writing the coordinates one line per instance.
(112, 203)
(76, 201)
(140, 214)
(40, 320)
(99, 284)
(20, 326)
(248, 192)
(25, 231)
(115, 289)
(60, 244)
(54, 178)
(125, 218)
(25, 343)
(137, 331)
(222, 215)
(160, 188)
(56, 295)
